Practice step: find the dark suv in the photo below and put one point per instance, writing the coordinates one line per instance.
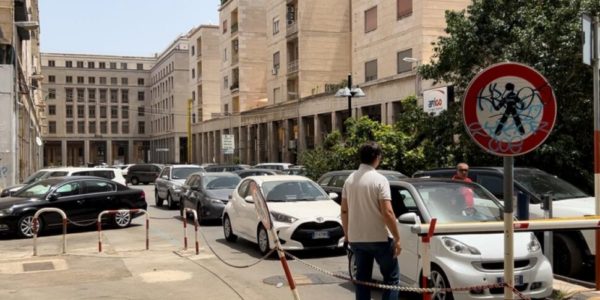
(332, 182)
(144, 173)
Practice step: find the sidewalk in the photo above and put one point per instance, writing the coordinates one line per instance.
(575, 292)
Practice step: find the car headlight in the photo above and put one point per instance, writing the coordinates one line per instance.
(534, 244)
(176, 187)
(6, 212)
(283, 218)
(459, 247)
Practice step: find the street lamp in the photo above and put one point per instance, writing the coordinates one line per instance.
(350, 92)
(417, 76)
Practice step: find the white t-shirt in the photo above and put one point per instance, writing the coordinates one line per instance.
(364, 189)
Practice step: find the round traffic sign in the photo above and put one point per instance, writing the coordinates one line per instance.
(509, 109)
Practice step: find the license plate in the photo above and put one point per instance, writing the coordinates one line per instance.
(320, 235)
(518, 280)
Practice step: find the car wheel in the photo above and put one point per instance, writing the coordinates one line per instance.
(439, 280)
(567, 257)
(262, 239)
(135, 181)
(157, 201)
(228, 230)
(122, 219)
(170, 201)
(25, 226)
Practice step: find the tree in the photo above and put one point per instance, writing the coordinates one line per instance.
(544, 35)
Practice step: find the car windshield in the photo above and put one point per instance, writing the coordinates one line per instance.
(183, 173)
(36, 190)
(288, 191)
(220, 182)
(35, 177)
(457, 202)
(539, 183)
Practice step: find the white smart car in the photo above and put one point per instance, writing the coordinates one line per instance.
(304, 216)
(463, 260)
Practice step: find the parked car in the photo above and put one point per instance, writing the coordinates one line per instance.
(303, 214)
(256, 172)
(295, 170)
(274, 166)
(82, 198)
(333, 182)
(207, 193)
(168, 184)
(463, 260)
(10, 190)
(144, 173)
(224, 168)
(572, 249)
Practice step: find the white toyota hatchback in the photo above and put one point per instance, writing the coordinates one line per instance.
(303, 215)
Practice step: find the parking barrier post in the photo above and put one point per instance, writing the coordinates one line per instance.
(131, 212)
(426, 277)
(36, 227)
(185, 241)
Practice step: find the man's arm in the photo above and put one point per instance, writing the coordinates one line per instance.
(389, 218)
(344, 213)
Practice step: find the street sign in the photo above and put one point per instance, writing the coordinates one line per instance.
(587, 48)
(162, 149)
(436, 100)
(227, 143)
(509, 109)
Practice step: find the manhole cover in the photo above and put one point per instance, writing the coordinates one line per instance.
(38, 266)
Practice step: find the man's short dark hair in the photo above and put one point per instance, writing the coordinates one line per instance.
(368, 152)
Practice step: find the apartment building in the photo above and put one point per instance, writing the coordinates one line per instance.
(22, 116)
(169, 95)
(97, 107)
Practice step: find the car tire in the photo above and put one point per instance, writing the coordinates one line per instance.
(228, 230)
(568, 259)
(439, 280)
(122, 219)
(157, 201)
(135, 181)
(170, 203)
(25, 226)
(262, 239)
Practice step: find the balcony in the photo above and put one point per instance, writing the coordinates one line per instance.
(234, 28)
(235, 86)
(292, 66)
(292, 28)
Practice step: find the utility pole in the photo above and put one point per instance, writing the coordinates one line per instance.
(189, 130)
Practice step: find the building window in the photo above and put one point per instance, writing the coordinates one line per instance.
(225, 26)
(52, 110)
(80, 64)
(124, 95)
(125, 127)
(92, 127)
(114, 81)
(102, 80)
(193, 50)
(124, 81)
(52, 127)
(91, 111)
(371, 70)
(80, 80)
(69, 79)
(80, 111)
(275, 26)
(140, 66)
(114, 127)
(114, 94)
(80, 127)
(141, 81)
(404, 8)
(102, 65)
(141, 96)
(141, 128)
(141, 112)
(92, 95)
(276, 60)
(51, 93)
(114, 112)
(113, 65)
(125, 112)
(193, 73)
(51, 78)
(404, 66)
(91, 65)
(124, 66)
(103, 127)
(51, 63)
(371, 19)
(92, 80)
(102, 95)
(225, 54)
(103, 112)
(80, 95)
(69, 127)
(68, 64)
(69, 94)
(225, 82)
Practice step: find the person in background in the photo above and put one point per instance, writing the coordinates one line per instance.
(462, 172)
(368, 219)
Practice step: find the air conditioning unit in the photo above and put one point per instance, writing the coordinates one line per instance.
(274, 71)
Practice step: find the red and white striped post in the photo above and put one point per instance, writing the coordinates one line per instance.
(131, 212)
(425, 279)
(596, 69)
(185, 240)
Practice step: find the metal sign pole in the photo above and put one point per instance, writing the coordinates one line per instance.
(509, 277)
(595, 68)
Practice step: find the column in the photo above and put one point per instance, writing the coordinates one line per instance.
(259, 136)
(318, 134)
(130, 153)
(86, 152)
(108, 153)
(301, 144)
(63, 153)
(271, 142)
(177, 150)
(249, 145)
(286, 141)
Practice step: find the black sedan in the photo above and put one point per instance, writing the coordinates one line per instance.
(82, 198)
(208, 193)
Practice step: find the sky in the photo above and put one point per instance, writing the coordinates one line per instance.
(119, 27)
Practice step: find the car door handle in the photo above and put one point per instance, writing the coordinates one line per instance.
(109, 197)
(80, 201)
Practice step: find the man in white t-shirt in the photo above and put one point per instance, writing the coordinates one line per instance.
(370, 224)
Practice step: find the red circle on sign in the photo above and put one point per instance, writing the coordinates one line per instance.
(487, 109)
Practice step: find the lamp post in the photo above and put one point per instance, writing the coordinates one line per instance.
(350, 92)
(417, 76)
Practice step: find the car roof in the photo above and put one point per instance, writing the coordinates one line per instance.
(61, 179)
(231, 174)
(185, 166)
(280, 178)
(472, 168)
(273, 164)
(255, 170)
(348, 172)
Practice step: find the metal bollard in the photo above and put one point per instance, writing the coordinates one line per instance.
(548, 235)
(522, 206)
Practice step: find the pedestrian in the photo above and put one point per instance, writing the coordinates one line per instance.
(370, 224)
(462, 171)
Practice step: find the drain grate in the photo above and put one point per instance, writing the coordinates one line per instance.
(38, 266)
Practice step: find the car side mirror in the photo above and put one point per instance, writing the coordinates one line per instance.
(53, 197)
(410, 218)
(165, 177)
(249, 199)
(333, 196)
